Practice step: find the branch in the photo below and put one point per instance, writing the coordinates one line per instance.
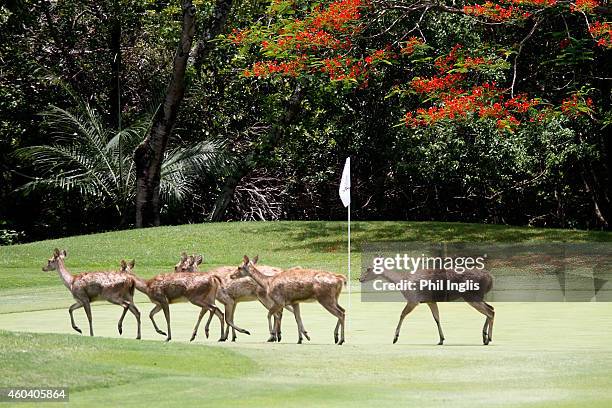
(520, 49)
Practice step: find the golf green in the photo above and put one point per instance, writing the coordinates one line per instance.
(542, 354)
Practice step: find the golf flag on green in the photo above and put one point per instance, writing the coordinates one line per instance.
(345, 196)
(345, 184)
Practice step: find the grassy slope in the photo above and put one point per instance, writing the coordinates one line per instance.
(543, 354)
(314, 244)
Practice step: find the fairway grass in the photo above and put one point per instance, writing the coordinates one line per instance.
(542, 355)
(545, 354)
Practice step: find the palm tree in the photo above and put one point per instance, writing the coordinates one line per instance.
(97, 161)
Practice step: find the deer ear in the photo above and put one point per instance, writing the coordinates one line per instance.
(184, 256)
(198, 259)
(132, 263)
(255, 259)
(56, 252)
(123, 264)
(64, 253)
(245, 259)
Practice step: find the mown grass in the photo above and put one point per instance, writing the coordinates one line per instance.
(543, 354)
(313, 244)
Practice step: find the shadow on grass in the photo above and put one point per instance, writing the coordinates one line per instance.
(330, 237)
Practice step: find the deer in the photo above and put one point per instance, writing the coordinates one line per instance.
(184, 263)
(127, 267)
(88, 287)
(197, 288)
(234, 291)
(297, 285)
(417, 296)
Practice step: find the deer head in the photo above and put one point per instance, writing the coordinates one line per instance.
(127, 267)
(195, 260)
(52, 263)
(367, 275)
(244, 269)
(182, 263)
(190, 264)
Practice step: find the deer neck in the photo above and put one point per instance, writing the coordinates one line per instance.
(141, 284)
(65, 276)
(392, 276)
(261, 279)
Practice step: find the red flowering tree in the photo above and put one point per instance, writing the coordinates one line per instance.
(340, 41)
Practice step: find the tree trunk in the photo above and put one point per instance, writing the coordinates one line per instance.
(150, 153)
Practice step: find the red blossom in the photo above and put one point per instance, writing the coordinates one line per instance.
(410, 45)
(446, 63)
(435, 83)
(576, 106)
(585, 6)
(496, 12)
(603, 33)
(484, 102)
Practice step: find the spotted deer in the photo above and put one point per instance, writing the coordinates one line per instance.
(294, 286)
(127, 267)
(234, 291)
(197, 288)
(114, 287)
(417, 296)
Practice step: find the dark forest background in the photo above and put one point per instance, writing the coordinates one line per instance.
(81, 82)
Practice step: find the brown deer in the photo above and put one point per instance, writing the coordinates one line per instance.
(127, 267)
(233, 291)
(184, 263)
(198, 288)
(294, 286)
(114, 287)
(417, 296)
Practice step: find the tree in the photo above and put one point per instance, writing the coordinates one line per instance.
(149, 154)
(491, 76)
(97, 161)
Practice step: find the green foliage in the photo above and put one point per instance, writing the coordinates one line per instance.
(98, 162)
(546, 174)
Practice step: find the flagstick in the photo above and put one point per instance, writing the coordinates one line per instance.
(349, 265)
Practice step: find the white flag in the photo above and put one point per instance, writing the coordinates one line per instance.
(345, 183)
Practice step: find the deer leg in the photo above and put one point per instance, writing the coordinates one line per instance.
(304, 332)
(155, 310)
(231, 316)
(480, 306)
(333, 309)
(71, 309)
(278, 318)
(229, 319)
(207, 326)
(203, 311)
(436, 315)
(166, 308)
(136, 314)
(275, 332)
(298, 320)
(120, 323)
(407, 309)
(492, 312)
(272, 327)
(232, 325)
(87, 307)
(338, 323)
(268, 304)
